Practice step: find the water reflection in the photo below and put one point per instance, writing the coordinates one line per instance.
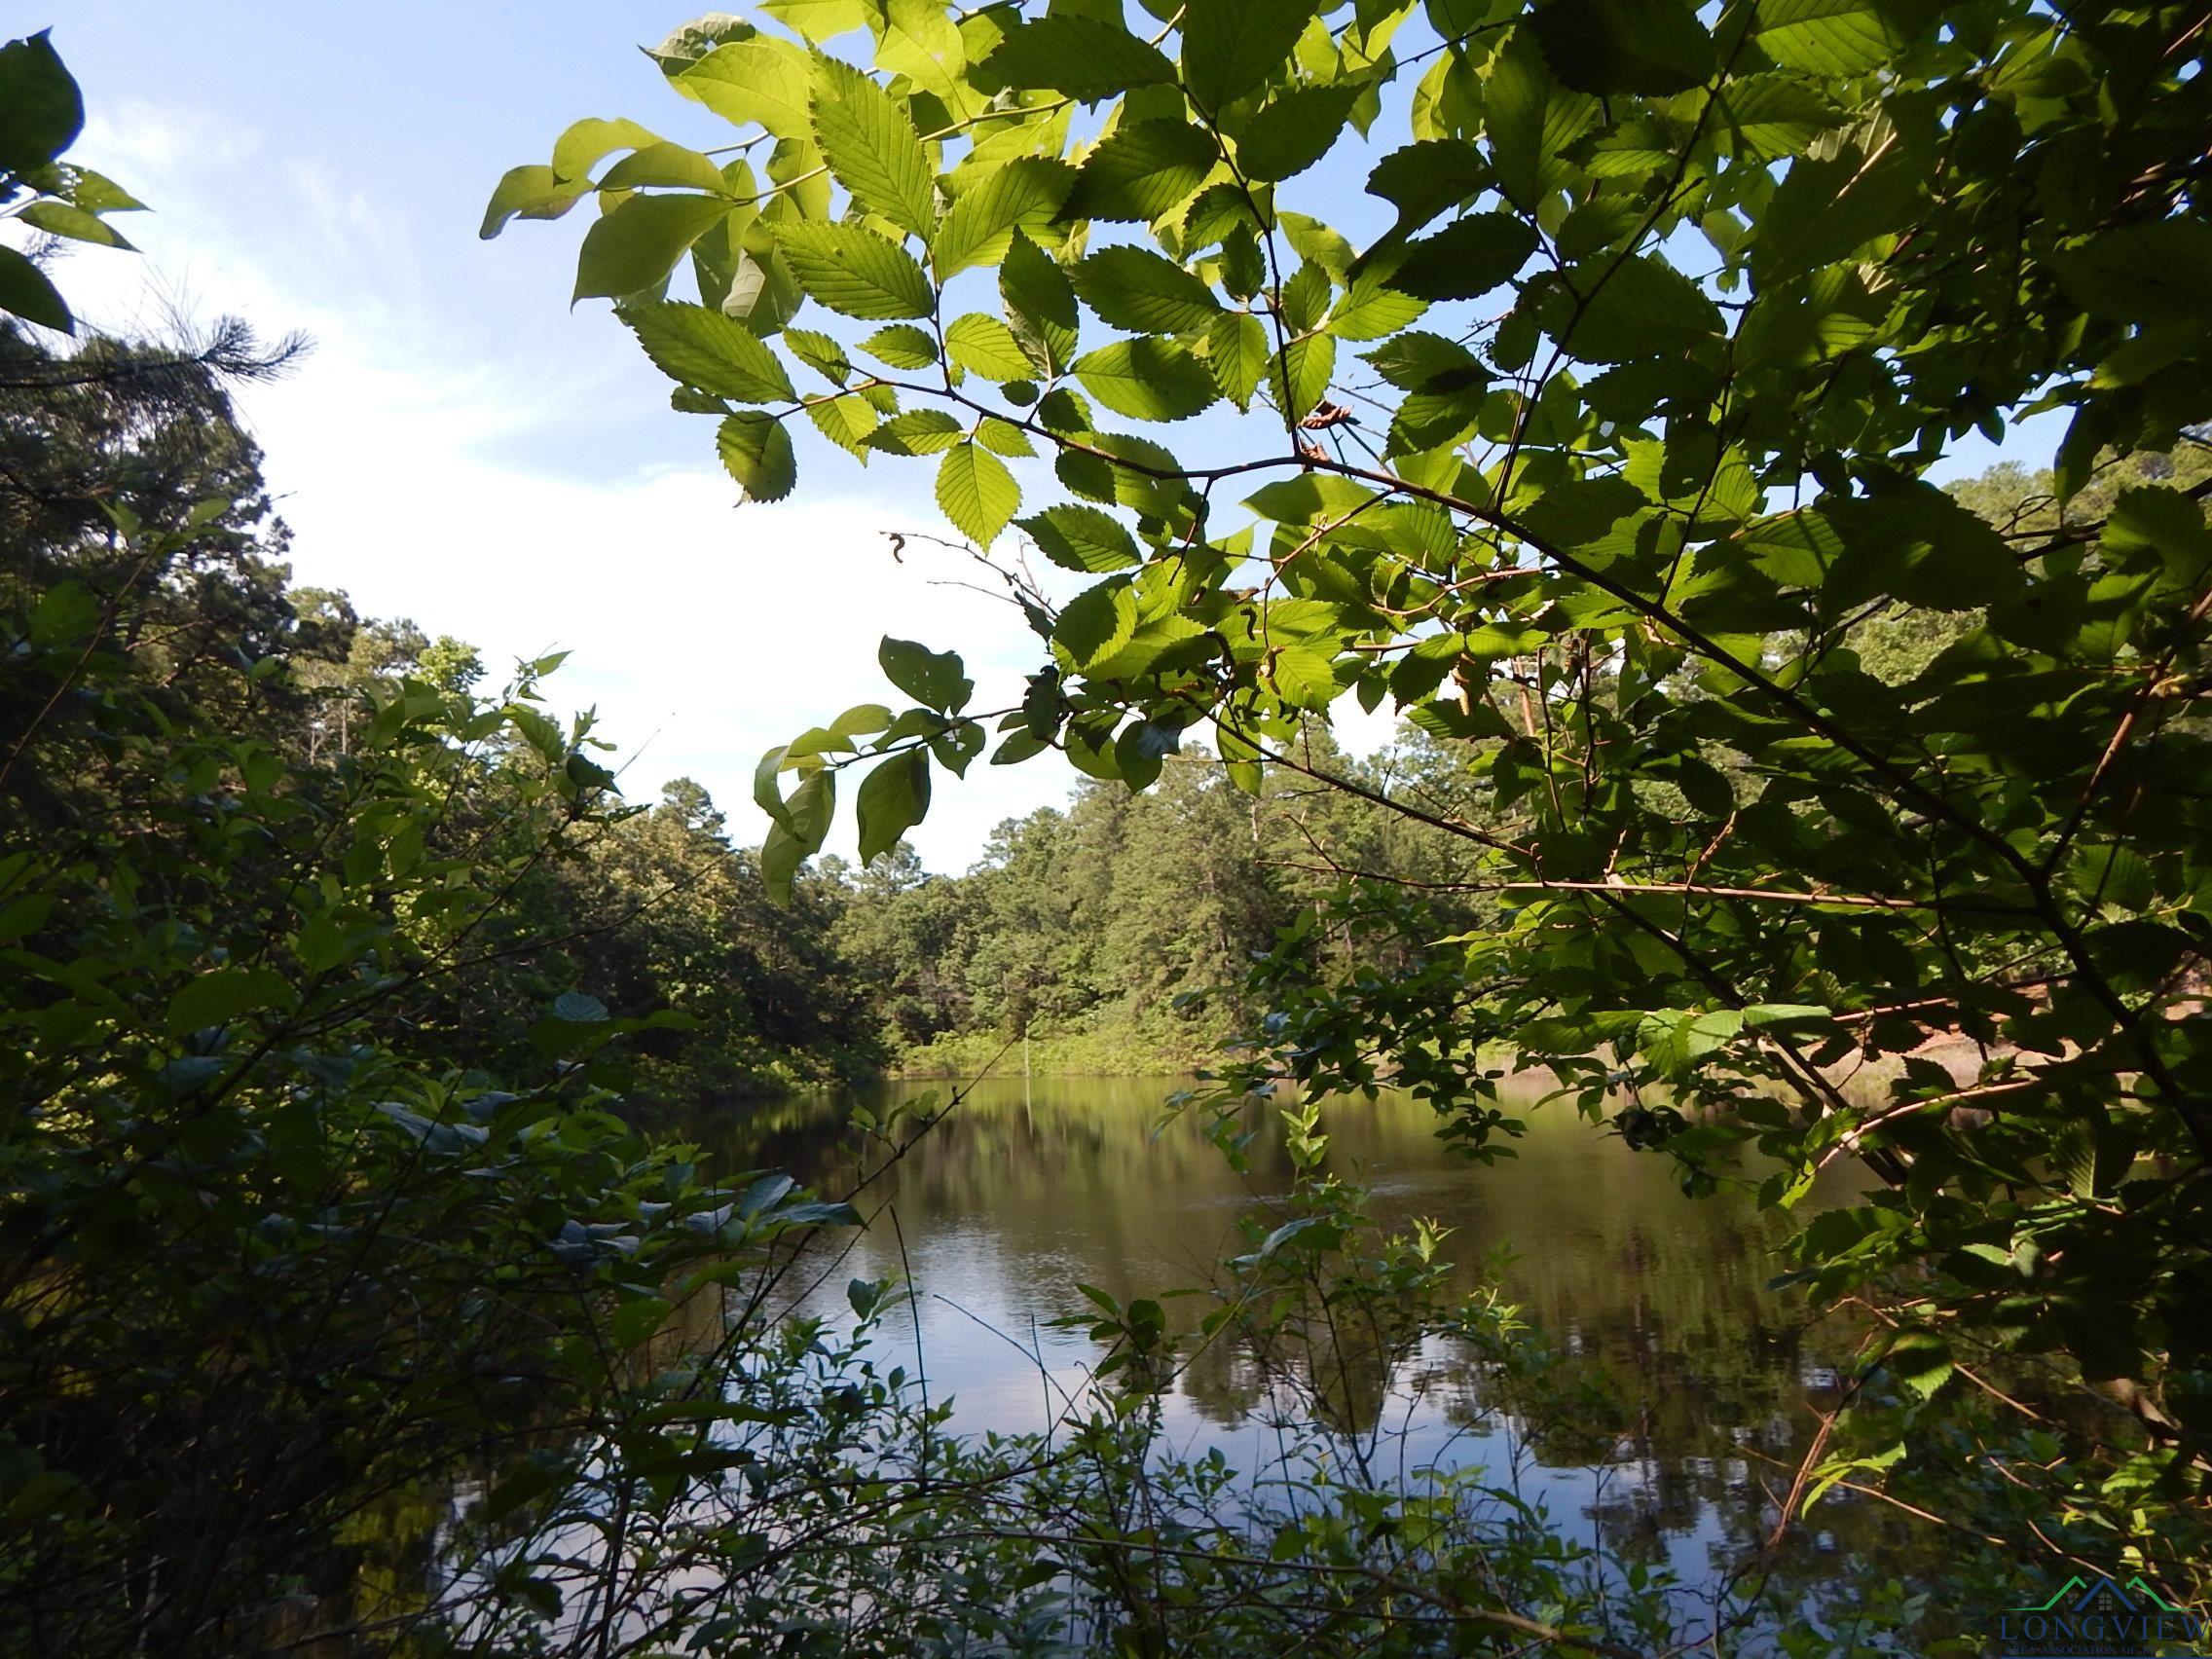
(1689, 1387)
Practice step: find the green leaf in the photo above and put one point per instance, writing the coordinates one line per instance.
(665, 167)
(2146, 273)
(1774, 115)
(1081, 539)
(1372, 310)
(1003, 437)
(1040, 302)
(855, 272)
(1023, 195)
(528, 192)
(976, 491)
(1141, 170)
(985, 346)
(1421, 180)
(41, 112)
(1917, 543)
(1307, 363)
(757, 452)
(936, 680)
(1096, 623)
(819, 20)
(1532, 122)
(762, 79)
(1634, 308)
(635, 245)
(1466, 259)
(1137, 290)
(67, 611)
(221, 994)
(1231, 46)
(872, 148)
(1830, 37)
(916, 431)
(1237, 355)
(902, 345)
(846, 421)
(586, 143)
(893, 798)
(60, 219)
(1147, 379)
(25, 292)
(1653, 47)
(1080, 58)
(1295, 130)
(707, 349)
(919, 40)
(1920, 1361)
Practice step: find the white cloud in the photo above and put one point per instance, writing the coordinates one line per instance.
(429, 464)
(704, 633)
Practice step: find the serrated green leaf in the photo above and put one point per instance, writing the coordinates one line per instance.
(1096, 623)
(1003, 437)
(1140, 170)
(1830, 37)
(855, 272)
(1465, 259)
(1295, 130)
(824, 356)
(1081, 539)
(1237, 355)
(703, 349)
(1371, 308)
(1229, 46)
(976, 491)
(1298, 375)
(1081, 57)
(985, 346)
(1022, 195)
(902, 345)
(846, 421)
(1147, 379)
(872, 149)
(1040, 304)
(916, 431)
(1137, 290)
(757, 451)
(1652, 47)
(1636, 308)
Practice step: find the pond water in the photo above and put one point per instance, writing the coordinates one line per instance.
(1704, 1381)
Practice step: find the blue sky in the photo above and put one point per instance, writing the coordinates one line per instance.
(463, 448)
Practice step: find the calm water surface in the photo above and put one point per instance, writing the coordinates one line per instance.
(1705, 1381)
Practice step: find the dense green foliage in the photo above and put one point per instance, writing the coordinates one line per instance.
(1595, 437)
(341, 1307)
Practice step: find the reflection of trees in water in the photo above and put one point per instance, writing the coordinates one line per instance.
(1672, 1365)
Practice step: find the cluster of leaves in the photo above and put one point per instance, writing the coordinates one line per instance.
(40, 114)
(1663, 318)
